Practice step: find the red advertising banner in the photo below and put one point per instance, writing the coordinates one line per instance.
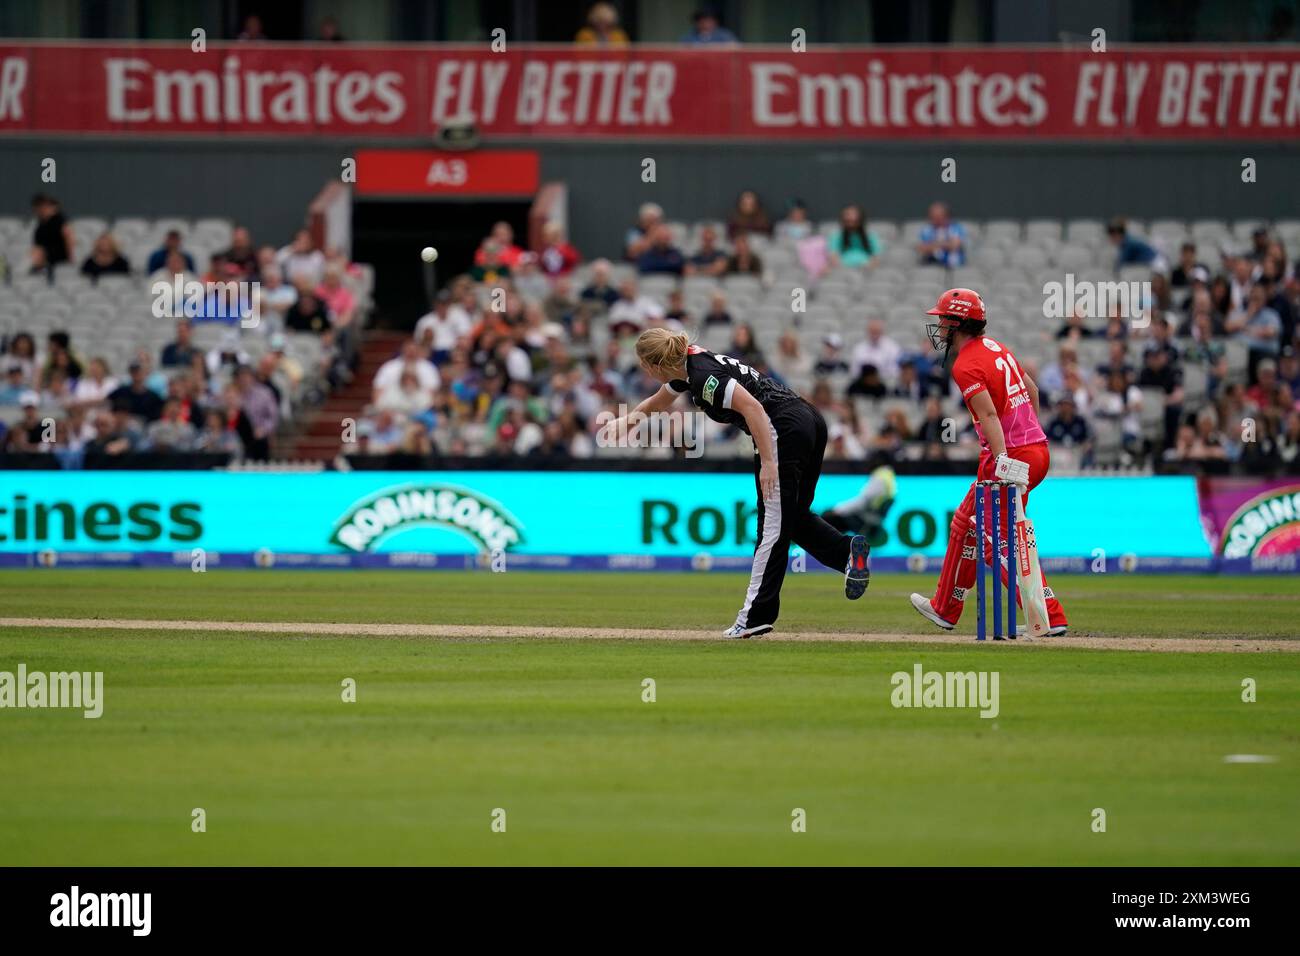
(562, 92)
(406, 172)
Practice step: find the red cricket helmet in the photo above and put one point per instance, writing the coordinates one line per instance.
(955, 307)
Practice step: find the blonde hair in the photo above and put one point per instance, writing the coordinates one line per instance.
(662, 348)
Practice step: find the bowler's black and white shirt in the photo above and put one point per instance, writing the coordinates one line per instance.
(711, 380)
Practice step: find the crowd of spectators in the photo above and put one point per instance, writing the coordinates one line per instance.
(229, 398)
(529, 379)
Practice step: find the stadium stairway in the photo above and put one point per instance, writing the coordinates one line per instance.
(319, 431)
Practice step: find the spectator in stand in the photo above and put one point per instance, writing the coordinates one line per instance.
(117, 432)
(406, 396)
(159, 258)
(661, 257)
(707, 28)
(170, 433)
(1121, 402)
(558, 257)
(743, 260)
(1075, 327)
(633, 311)
(560, 304)
(11, 393)
(790, 364)
(708, 260)
(879, 350)
(942, 241)
(53, 241)
(602, 27)
(22, 352)
(796, 225)
(1069, 429)
(226, 356)
(1159, 372)
(1288, 371)
(328, 31)
(136, 396)
(1184, 273)
(184, 391)
(1051, 380)
(677, 313)
(104, 259)
(749, 216)
(1259, 245)
(412, 359)
(528, 279)
(1200, 442)
(174, 265)
(338, 298)
(853, 246)
(1263, 393)
(96, 385)
(831, 361)
(717, 314)
(1129, 249)
(910, 384)
(308, 314)
(489, 267)
(502, 238)
(639, 237)
(241, 257)
(1261, 328)
(1243, 275)
(1116, 361)
(252, 29)
(1277, 299)
(260, 414)
(1288, 443)
(744, 348)
(58, 354)
(439, 329)
(867, 383)
(277, 297)
(600, 291)
(300, 261)
(217, 438)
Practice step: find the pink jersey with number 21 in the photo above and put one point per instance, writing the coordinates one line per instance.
(986, 365)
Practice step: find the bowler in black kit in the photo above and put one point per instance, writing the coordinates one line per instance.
(789, 440)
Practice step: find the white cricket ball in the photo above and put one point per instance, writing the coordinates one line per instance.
(428, 254)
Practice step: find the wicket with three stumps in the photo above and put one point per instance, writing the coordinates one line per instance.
(988, 532)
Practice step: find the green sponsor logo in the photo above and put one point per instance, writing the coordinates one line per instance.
(372, 519)
(710, 386)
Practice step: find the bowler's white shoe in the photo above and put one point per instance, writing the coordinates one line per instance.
(922, 605)
(1059, 631)
(738, 632)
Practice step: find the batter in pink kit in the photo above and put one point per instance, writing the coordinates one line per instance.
(1003, 402)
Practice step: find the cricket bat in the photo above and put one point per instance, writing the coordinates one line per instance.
(1029, 579)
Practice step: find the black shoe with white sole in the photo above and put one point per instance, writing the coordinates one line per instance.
(858, 573)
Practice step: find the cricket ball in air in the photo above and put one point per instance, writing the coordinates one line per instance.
(428, 254)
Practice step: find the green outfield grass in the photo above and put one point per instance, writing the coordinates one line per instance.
(555, 732)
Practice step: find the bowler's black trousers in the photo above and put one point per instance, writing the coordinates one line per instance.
(800, 447)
